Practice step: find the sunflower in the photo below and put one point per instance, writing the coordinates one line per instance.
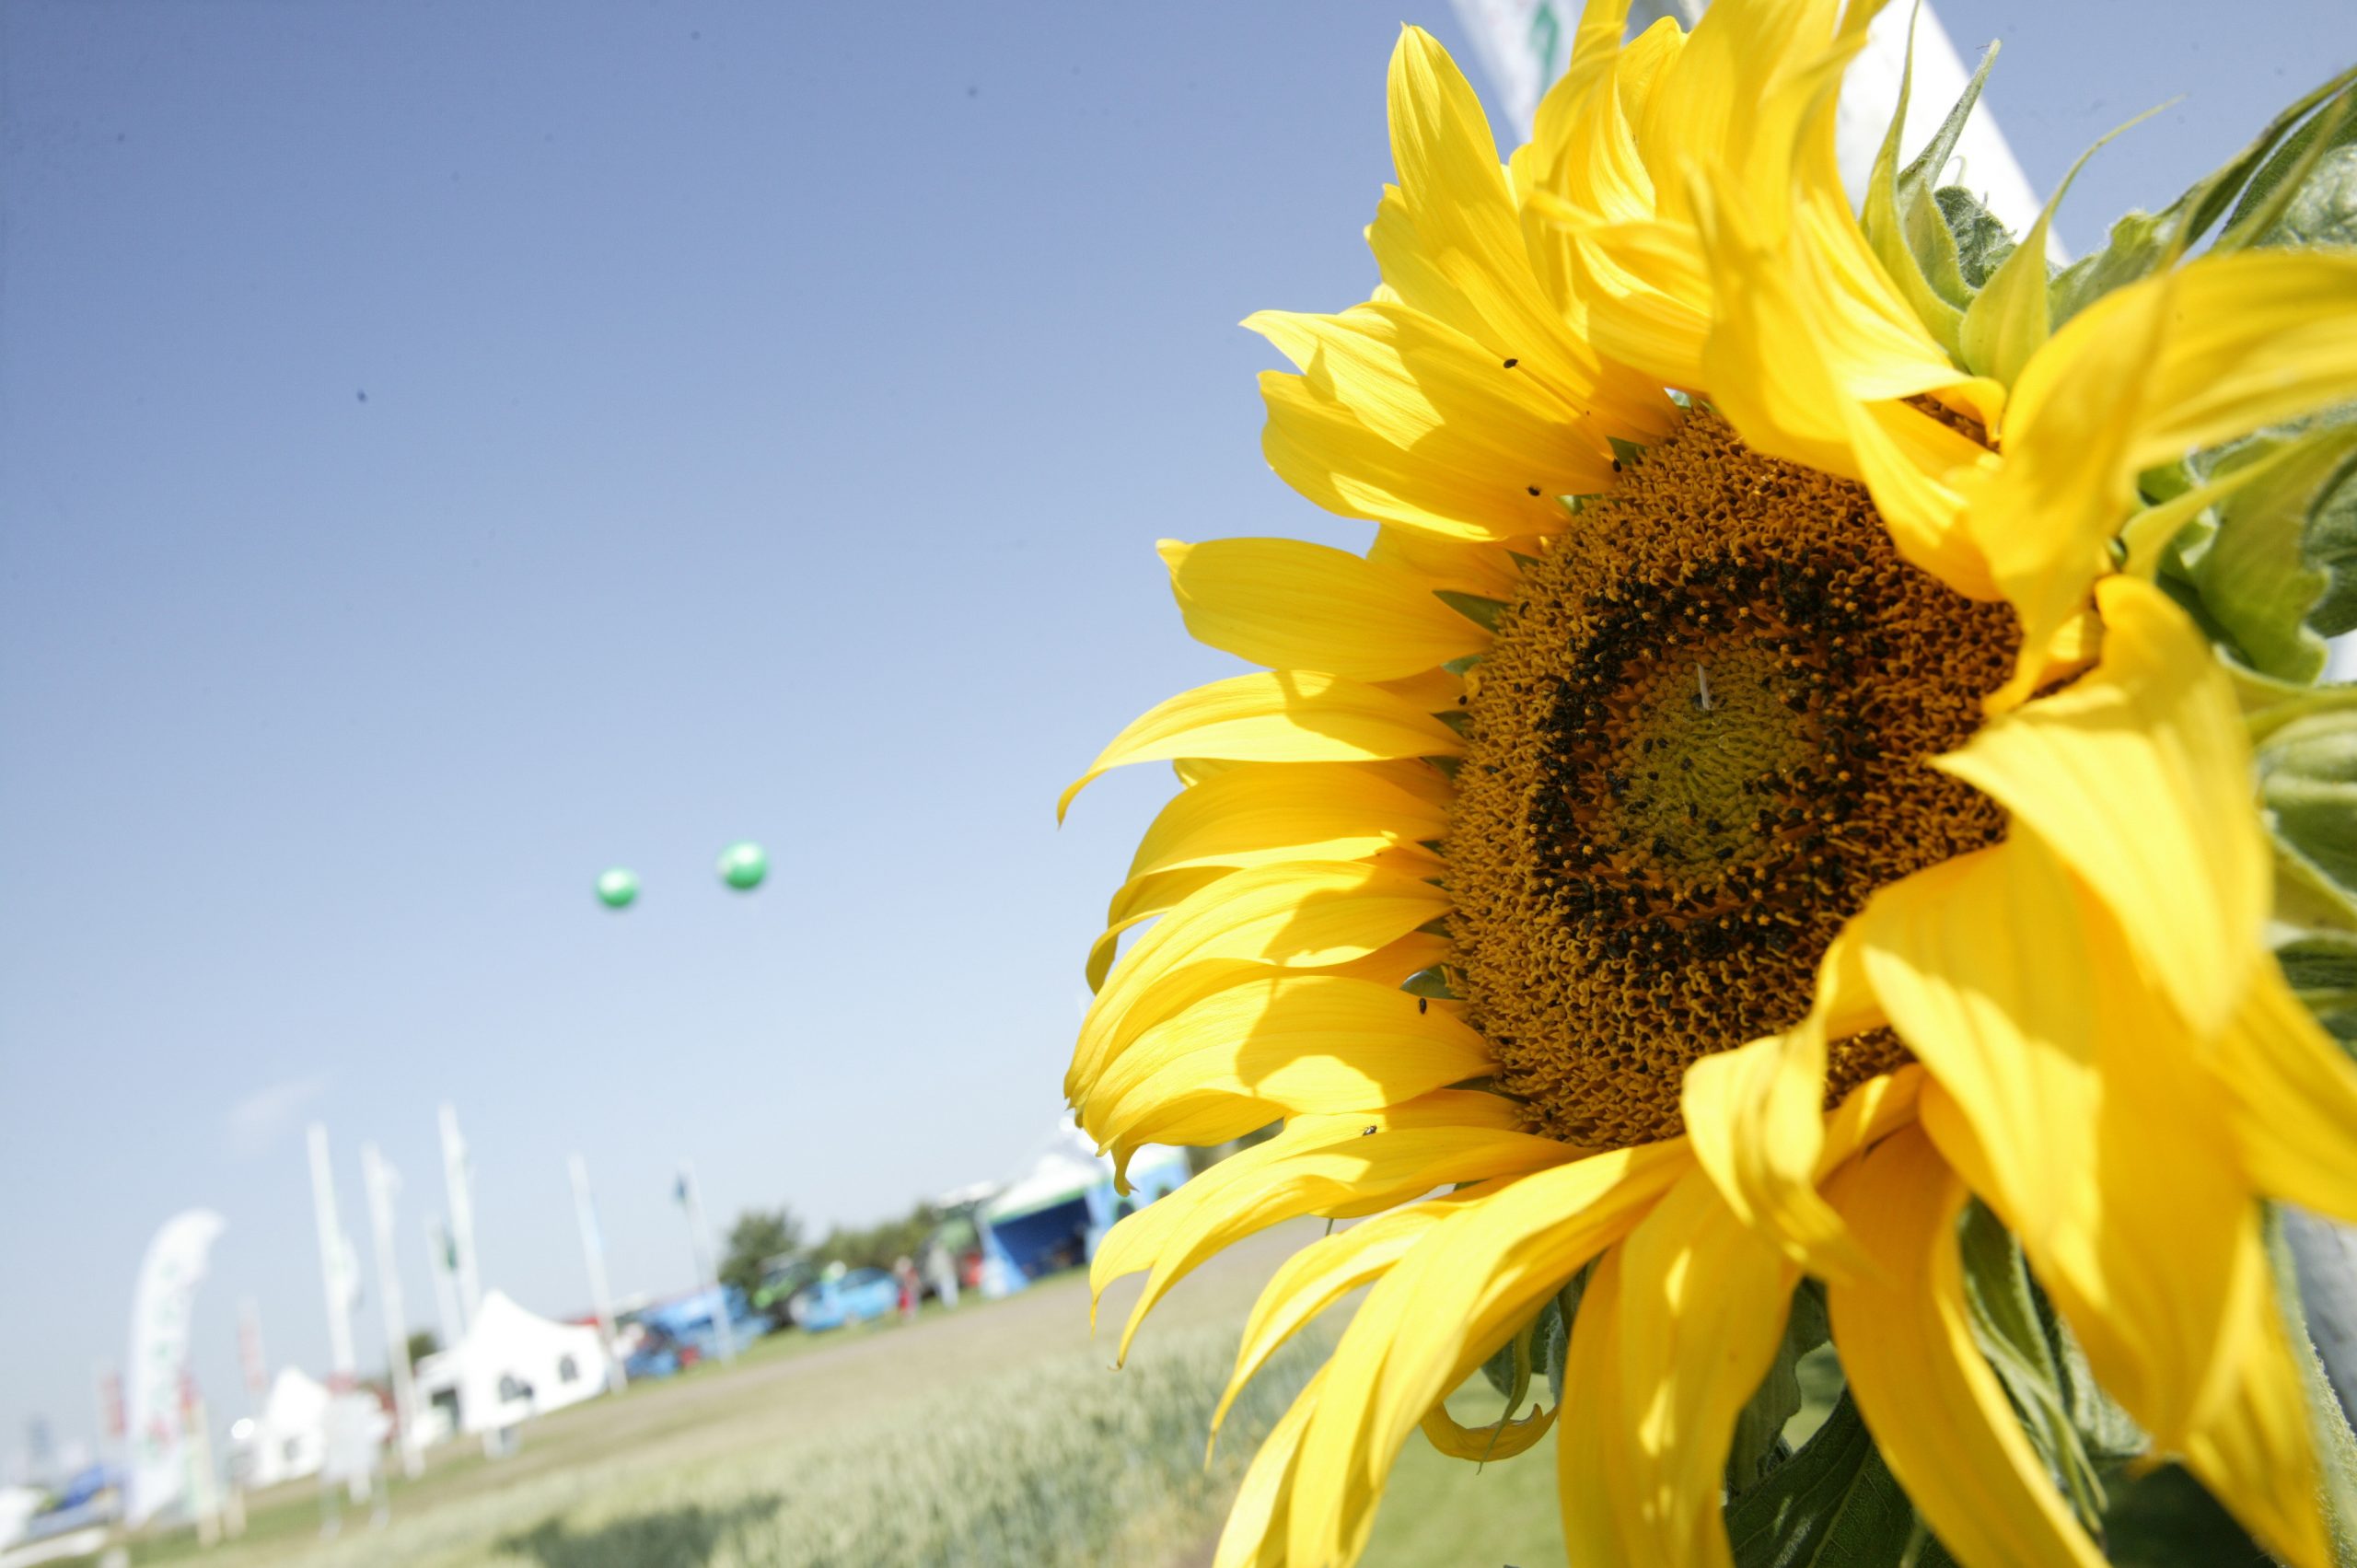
(1759, 831)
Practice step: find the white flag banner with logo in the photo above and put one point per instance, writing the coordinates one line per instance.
(158, 1366)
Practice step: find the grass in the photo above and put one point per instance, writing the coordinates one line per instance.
(992, 1436)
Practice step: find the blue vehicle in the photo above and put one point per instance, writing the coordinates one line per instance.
(858, 1296)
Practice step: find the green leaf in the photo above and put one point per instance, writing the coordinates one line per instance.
(2335, 1446)
(2141, 243)
(1758, 1445)
(2331, 544)
(2321, 968)
(2307, 781)
(2006, 1327)
(1904, 221)
(2164, 1519)
(1833, 1504)
(2105, 1432)
(2278, 189)
(2257, 578)
(1981, 242)
(2324, 210)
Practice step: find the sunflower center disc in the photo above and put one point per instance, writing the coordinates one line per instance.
(1697, 745)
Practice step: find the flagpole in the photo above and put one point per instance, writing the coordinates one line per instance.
(459, 1178)
(383, 1184)
(335, 1262)
(592, 1253)
(698, 1247)
(445, 1290)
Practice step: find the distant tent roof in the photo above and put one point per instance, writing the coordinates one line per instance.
(1064, 1172)
(298, 1401)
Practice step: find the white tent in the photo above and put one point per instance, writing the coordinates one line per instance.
(513, 1365)
(288, 1441)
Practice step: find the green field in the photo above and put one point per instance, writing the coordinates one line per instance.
(996, 1434)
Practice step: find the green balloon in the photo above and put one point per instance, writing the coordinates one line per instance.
(618, 889)
(742, 865)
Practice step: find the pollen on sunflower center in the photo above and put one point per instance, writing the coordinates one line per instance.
(1700, 742)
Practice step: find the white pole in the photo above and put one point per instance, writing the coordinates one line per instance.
(445, 1286)
(699, 1247)
(383, 1185)
(592, 1253)
(335, 1262)
(251, 1362)
(459, 1177)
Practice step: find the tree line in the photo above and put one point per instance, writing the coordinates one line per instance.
(759, 1235)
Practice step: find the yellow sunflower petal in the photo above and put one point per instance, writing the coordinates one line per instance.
(2212, 350)
(1254, 1536)
(1502, 1439)
(1324, 1165)
(2138, 776)
(2074, 1101)
(1138, 901)
(1280, 1046)
(2295, 1099)
(1398, 418)
(1591, 1456)
(1485, 571)
(1444, 1308)
(1322, 1273)
(1296, 915)
(1938, 1414)
(1294, 604)
(2251, 338)
(1257, 813)
(1459, 253)
(1756, 1117)
(1702, 1303)
(1286, 716)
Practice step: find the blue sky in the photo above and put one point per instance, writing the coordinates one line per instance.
(448, 450)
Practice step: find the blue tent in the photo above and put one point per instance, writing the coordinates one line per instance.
(1055, 1214)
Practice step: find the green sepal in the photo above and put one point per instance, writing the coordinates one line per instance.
(1982, 242)
(1625, 454)
(1431, 982)
(2007, 1326)
(1903, 221)
(2307, 782)
(1509, 1371)
(2331, 544)
(2144, 243)
(1482, 612)
(1833, 1504)
(2329, 1429)
(2011, 316)
(1460, 666)
(1548, 1337)
(1575, 504)
(2259, 577)
(1758, 1445)
(2321, 968)
(2306, 194)
(1555, 1349)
